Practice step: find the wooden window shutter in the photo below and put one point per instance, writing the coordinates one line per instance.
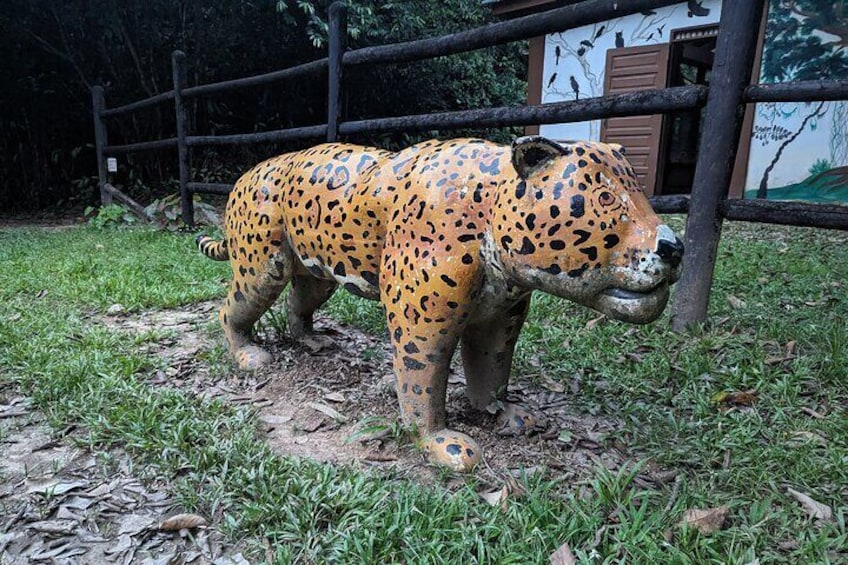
(627, 70)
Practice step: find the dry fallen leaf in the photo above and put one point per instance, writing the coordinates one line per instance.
(53, 487)
(324, 409)
(736, 398)
(552, 385)
(496, 497)
(563, 556)
(182, 522)
(814, 508)
(334, 397)
(592, 323)
(735, 303)
(707, 520)
(802, 437)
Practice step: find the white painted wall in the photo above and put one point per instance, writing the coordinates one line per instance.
(583, 55)
(580, 54)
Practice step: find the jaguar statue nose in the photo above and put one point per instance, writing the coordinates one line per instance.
(670, 251)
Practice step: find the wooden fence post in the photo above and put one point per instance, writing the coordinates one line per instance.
(183, 154)
(336, 47)
(101, 140)
(734, 58)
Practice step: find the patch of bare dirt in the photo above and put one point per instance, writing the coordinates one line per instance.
(60, 504)
(315, 398)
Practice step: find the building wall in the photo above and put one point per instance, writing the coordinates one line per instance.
(797, 151)
(581, 54)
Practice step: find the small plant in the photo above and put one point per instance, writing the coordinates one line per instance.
(376, 427)
(109, 217)
(166, 213)
(820, 166)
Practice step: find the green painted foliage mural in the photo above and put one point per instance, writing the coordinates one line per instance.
(805, 40)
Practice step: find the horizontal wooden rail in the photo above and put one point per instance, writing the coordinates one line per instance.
(629, 104)
(804, 214)
(526, 27)
(139, 105)
(141, 146)
(312, 67)
(210, 187)
(292, 134)
(783, 212)
(802, 91)
(671, 204)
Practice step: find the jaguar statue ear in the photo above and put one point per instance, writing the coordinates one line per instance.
(533, 151)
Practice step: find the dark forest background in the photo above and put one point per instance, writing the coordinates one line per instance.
(54, 51)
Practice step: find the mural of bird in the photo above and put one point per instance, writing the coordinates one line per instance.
(619, 39)
(600, 31)
(558, 53)
(587, 43)
(650, 36)
(581, 51)
(695, 9)
(660, 29)
(575, 87)
(552, 80)
(648, 13)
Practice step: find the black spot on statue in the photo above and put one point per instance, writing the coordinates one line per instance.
(354, 290)
(578, 206)
(577, 272)
(412, 364)
(610, 241)
(370, 278)
(527, 247)
(590, 252)
(520, 189)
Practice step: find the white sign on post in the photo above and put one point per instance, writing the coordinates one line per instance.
(112, 164)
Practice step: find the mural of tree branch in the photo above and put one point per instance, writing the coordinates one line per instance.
(805, 40)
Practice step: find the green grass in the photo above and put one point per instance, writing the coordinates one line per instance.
(792, 282)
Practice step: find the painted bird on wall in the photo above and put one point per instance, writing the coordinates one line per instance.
(695, 9)
(575, 87)
(552, 80)
(619, 40)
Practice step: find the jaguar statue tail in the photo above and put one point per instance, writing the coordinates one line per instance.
(212, 248)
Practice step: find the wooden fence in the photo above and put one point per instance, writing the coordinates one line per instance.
(707, 207)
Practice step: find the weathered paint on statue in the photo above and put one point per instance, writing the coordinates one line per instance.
(452, 236)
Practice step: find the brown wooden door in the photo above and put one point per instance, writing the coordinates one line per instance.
(630, 69)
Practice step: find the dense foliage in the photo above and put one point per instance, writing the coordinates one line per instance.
(54, 52)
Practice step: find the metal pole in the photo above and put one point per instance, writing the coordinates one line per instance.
(98, 104)
(183, 154)
(734, 59)
(336, 47)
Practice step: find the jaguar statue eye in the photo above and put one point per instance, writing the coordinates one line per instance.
(606, 199)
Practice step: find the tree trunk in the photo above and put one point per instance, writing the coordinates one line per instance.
(763, 188)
